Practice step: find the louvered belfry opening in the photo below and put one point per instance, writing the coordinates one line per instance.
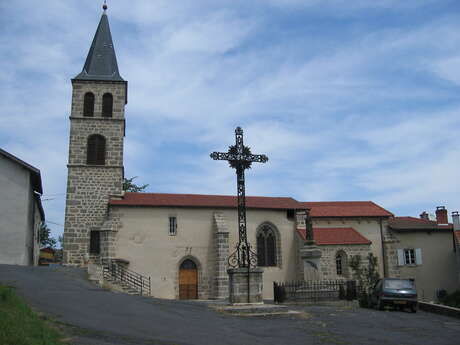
(96, 150)
(266, 247)
(107, 105)
(88, 104)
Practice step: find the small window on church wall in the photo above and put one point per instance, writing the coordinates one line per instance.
(338, 264)
(172, 226)
(88, 104)
(266, 247)
(95, 154)
(107, 105)
(341, 264)
(95, 242)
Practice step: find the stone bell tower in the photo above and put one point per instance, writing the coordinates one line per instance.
(95, 165)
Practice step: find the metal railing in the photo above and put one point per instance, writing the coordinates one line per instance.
(314, 291)
(126, 277)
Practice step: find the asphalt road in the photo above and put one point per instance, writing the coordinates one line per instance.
(92, 315)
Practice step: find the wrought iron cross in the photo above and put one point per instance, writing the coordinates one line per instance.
(240, 158)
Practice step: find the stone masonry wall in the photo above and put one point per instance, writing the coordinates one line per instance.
(89, 187)
(221, 251)
(329, 252)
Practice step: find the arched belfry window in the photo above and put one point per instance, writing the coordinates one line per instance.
(107, 105)
(266, 246)
(95, 154)
(341, 263)
(88, 104)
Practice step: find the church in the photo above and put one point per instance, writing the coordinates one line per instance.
(162, 236)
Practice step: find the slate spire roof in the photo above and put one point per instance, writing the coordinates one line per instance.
(101, 62)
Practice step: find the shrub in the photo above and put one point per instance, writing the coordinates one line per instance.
(366, 275)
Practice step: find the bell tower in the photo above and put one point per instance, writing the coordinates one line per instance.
(95, 163)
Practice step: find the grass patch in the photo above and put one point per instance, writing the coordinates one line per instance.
(19, 325)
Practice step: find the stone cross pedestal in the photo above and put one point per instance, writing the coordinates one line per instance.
(311, 256)
(239, 284)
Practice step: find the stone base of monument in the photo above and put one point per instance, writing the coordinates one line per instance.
(238, 285)
(311, 256)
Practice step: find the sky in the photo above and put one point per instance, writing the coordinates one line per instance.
(350, 100)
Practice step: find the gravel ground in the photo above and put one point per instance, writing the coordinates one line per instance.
(94, 316)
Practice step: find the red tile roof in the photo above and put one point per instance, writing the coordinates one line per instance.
(346, 209)
(318, 209)
(412, 223)
(197, 200)
(324, 236)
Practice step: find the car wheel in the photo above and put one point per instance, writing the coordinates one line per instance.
(380, 305)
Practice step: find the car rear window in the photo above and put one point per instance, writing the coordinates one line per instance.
(399, 284)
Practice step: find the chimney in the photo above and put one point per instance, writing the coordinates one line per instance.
(456, 220)
(424, 215)
(441, 215)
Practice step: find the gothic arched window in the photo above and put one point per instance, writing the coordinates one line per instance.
(95, 152)
(107, 105)
(266, 246)
(88, 104)
(341, 263)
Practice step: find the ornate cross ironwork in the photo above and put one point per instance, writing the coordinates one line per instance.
(240, 158)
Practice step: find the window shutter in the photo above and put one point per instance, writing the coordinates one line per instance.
(418, 256)
(400, 257)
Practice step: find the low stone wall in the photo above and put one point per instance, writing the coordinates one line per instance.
(439, 309)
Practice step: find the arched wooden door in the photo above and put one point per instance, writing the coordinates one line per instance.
(188, 280)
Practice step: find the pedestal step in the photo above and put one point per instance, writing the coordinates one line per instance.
(255, 309)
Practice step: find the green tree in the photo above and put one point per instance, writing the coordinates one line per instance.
(130, 186)
(45, 237)
(366, 275)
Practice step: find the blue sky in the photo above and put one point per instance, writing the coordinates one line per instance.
(350, 100)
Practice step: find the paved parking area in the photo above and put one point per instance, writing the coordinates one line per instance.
(95, 316)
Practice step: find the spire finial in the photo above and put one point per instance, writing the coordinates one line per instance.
(104, 7)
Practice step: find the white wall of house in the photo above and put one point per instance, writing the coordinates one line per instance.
(16, 222)
(436, 268)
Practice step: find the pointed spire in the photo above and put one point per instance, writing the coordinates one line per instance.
(101, 62)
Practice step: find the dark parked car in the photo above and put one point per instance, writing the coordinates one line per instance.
(399, 293)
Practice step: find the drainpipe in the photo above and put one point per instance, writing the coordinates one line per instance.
(385, 273)
(34, 237)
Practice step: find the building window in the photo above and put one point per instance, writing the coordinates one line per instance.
(266, 246)
(409, 256)
(338, 264)
(95, 242)
(341, 264)
(172, 226)
(95, 154)
(107, 105)
(88, 104)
